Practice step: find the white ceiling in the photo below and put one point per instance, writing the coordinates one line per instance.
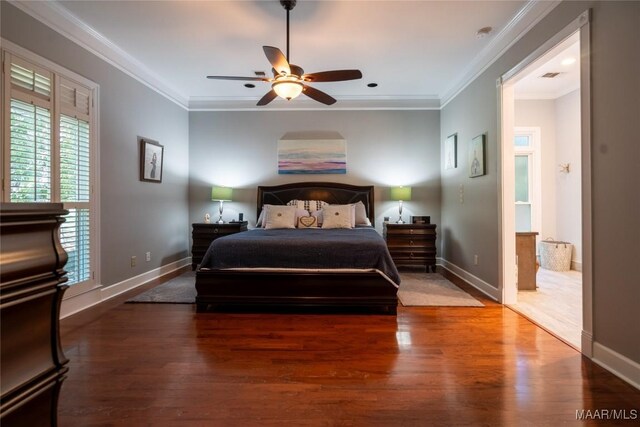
(534, 86)
(419, 52)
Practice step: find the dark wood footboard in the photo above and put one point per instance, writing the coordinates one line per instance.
(229, 288)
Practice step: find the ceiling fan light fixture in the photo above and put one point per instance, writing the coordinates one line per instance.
(287, 87)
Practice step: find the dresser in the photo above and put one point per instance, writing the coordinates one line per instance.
(203, 234)
(412, 245)
(32, 282)
(526, 260)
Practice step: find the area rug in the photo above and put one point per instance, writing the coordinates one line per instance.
(179, 290)
(432, 289)
(416, 290)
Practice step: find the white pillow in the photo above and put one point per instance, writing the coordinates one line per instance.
(308, 205)
(260, 223)
(318, 216)
(338, 216)
(361, 214)
(352, 209)
(280, 217)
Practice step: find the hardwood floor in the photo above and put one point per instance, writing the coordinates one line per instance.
(556, 304)
(165, 365)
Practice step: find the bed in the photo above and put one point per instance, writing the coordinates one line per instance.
(372, 287)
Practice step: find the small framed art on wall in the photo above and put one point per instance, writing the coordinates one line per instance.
(151, 157)
(476, 156)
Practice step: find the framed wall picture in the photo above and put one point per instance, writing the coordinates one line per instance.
(476, 156)
(151, 156)
(317, 156)
(451, 152)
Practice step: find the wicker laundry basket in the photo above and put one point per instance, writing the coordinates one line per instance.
(555, 255)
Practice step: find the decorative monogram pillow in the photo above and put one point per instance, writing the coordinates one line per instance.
(307, 222)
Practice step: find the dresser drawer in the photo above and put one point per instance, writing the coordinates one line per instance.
(410, 241)
(212, 233)
(411, 232)
(415, 253)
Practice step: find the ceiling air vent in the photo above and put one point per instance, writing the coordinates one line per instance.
(260, 73)
(549, 75)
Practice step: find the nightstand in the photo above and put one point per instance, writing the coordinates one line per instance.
(412, 245)
(203, 234)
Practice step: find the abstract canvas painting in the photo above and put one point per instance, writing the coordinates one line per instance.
(312, 156)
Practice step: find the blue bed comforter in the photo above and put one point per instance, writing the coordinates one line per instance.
(361, 248)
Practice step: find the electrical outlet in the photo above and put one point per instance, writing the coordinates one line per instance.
(475, 260)
(133, 261)
(148, 256)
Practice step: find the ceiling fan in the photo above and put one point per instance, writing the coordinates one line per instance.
(288, 79)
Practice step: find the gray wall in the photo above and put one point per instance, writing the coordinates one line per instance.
(568, 196)
(384, 148)
(136, 217)
(615, 149)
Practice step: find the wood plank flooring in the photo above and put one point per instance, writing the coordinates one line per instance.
(556, 305)
(165, 365)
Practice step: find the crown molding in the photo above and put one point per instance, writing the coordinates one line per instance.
(530, 14)
(70, 26)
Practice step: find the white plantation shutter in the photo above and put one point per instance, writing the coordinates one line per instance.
(50, 151)
(29, 169)
(75, 237)
(29, 81)
(75, 160)
(29, 153)
(75, 193)
(75, 100)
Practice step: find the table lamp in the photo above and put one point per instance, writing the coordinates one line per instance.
(400, 194)
(221, 194)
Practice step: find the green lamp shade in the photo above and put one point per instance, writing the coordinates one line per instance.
(221, 193)
(401, 193)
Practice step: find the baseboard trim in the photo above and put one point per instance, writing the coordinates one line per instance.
(85, 300)
(577, 266)
(472, 280)
(586, 344)
(617, 364)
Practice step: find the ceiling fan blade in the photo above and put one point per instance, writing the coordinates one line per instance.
(269, 96)
(253, 79)
(333, 76)
(277, 59)
(318, 95)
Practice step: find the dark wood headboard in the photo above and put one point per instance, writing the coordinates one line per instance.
(331, 192)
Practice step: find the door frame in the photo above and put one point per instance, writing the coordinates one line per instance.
(506, 187)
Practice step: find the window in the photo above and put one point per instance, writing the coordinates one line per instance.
(527, 179)
(50, 151)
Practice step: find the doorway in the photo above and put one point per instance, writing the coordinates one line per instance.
(545, 163)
